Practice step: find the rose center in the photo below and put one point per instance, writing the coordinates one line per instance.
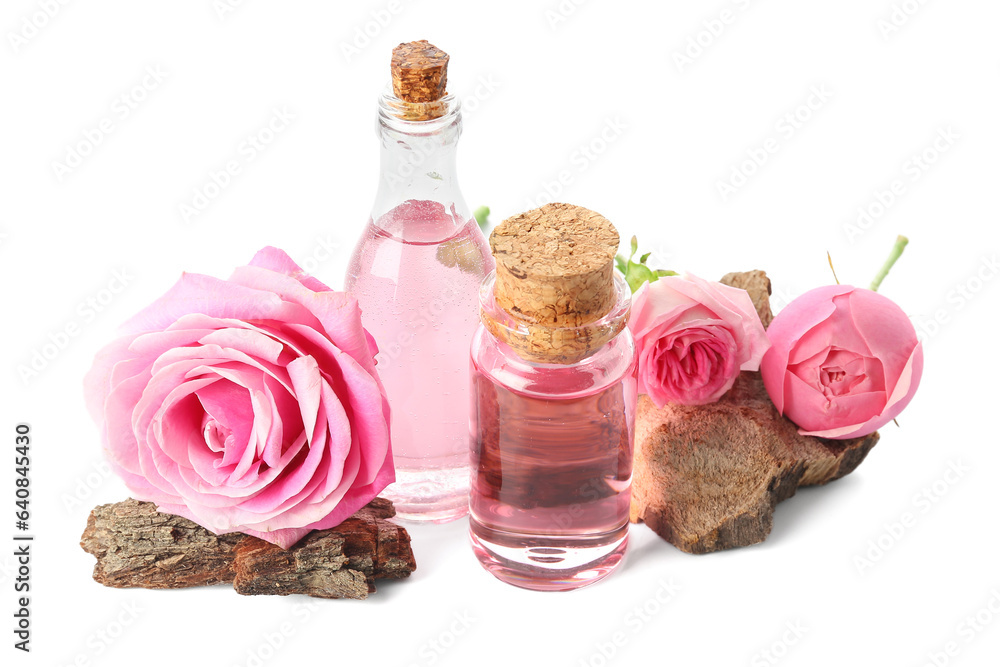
(217, 435)
(833, 375)
(840, 373)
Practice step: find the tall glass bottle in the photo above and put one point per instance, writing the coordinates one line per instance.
(416, 273)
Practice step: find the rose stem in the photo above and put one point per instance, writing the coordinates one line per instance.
(897, 250)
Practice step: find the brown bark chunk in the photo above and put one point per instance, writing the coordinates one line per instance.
(136, 546)
(758, 285)
(708, 477)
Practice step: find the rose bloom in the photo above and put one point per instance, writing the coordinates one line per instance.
(250, 404)
(843, 361)
(694, 337)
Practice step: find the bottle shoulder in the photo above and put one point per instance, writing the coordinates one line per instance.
(612, 363)
(421, 264)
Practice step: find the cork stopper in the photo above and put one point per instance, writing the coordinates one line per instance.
(555, 276)
(420, 79)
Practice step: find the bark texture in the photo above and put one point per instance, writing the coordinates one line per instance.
(758, 286)
(136, 546)
(708, 477)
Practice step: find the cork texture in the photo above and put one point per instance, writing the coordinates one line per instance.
(420, 78)
(555, 274)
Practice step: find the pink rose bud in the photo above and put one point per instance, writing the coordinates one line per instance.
(843, 361)
(250, 404)
(694, 337)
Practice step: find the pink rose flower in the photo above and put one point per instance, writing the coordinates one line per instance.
(250, 404)
(843, 361)
(693, 337)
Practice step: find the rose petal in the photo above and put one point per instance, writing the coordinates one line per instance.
(886, 329)
(275, 259)
(338, 313)
(195, 293)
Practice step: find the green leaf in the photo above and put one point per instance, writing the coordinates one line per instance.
(637, 273)
(482, 216)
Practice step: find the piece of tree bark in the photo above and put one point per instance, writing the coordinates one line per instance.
(708, 477)
(758, 285)
(339, 563)
(136, 546)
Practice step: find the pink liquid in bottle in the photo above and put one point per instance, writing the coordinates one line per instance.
(551, 460)
(416, 274)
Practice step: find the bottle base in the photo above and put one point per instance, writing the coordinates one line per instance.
(430, 496)
(548, 563)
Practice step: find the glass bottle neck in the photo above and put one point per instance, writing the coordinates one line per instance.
(418, 159)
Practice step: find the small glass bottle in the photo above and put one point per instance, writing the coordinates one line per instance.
(416, 273)
(554, 396)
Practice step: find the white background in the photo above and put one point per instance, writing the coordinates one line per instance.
(557, 84)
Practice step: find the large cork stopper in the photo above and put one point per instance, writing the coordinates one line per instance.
(420, 79)
(555, 274)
